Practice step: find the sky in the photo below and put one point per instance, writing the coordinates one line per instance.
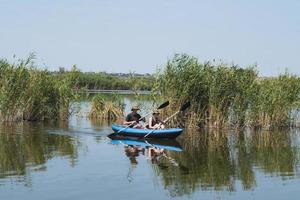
(140, 36)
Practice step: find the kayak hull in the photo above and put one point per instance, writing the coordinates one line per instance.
(134, 132)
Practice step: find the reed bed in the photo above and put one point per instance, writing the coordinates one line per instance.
(104, 81)
(27, 93)
(225, 95)
(106, 108)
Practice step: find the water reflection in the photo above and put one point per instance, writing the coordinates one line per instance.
(198, 161)
(154, 150)
(27, 146)
(219, 161)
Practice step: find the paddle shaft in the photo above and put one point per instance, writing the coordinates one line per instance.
(163, 153)
(165, 104)
(182, 108)
(171, 116)
(164, 122)
(133, 123)
(150, 132)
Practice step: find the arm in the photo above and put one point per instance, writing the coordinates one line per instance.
(129, 121)
(141, 118)
(161, 121)
(150, 123)
(161, 124)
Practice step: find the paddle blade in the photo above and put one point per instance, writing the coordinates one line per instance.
(185, 106)
(165, 104)
(112, 135)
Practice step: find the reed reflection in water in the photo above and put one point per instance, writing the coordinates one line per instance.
(199, 165)
(27, 146)
(220, 160)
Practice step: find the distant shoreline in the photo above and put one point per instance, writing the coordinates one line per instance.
(142, 92)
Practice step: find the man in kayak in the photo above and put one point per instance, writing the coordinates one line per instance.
(133, 118)
(155, 122)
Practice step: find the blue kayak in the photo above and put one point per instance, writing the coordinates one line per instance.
(171, 145)
(169, 133)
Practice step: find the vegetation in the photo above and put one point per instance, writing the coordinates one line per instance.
(107, 108)
(28, 93)
(227, 95)
(32, 94)
(105, 81)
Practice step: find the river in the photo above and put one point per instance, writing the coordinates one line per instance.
(76, 160)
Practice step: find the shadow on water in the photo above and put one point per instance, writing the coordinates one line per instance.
(219, 160)
(27, 146)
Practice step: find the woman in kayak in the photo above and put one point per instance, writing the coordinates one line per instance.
(133, 118)
(155, 122)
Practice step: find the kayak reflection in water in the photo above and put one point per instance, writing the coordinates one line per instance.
(132, 152)
(154, 154)
(153, 150)
(151, 153)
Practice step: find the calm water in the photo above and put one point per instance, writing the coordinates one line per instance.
(75, 160)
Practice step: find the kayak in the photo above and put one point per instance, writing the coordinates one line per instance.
(169, 133)
(171, 145)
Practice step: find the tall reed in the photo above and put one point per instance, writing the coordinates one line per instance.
(106, 108)
(225, 95)
(32, 94)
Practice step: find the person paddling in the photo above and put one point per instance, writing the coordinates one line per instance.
(155, 122)
(134, 118)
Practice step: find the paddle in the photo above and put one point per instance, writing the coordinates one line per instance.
(182, 108)
(164, 154)
(163, 105)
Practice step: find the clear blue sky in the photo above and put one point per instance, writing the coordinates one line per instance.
(140, 35)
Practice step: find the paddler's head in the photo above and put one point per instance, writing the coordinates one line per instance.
(135, 108)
